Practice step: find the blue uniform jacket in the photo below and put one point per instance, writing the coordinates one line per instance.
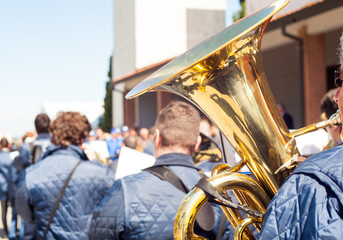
(309, 205)
(142, 206)
(7, 176)
(113, 146)
(44, 180)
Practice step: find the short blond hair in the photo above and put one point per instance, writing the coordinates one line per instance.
(178, 124)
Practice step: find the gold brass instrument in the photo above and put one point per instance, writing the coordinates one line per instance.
(207, 151)
(223, 76)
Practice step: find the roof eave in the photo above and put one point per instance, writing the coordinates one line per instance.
(303, 13)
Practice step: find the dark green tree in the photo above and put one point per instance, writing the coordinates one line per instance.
(240, 13)
(105, 122)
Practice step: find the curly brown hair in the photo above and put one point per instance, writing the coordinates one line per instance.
(69, 128)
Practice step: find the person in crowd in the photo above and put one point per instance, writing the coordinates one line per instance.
(100, 135)
(20, 162)
(35, 149)
(60, 192)
(144, 138)
(286, 116)
(133, 132)
(114, 144)
(328, 107)
(42, 141)
(6, 176)
(130, 142)
(215, 134)
(309, 203)
(143, 206)
(205, 126)
(92, 136)
(23, 159)
(207, 163)
(151, 148)
(125, 131)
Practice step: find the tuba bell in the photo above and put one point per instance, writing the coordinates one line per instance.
(223, 76)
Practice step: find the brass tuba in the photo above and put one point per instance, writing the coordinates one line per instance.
(223, 77)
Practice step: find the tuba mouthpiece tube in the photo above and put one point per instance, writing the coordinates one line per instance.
(333, 120)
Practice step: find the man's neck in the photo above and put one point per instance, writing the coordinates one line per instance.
(173, 149)
(4, 149)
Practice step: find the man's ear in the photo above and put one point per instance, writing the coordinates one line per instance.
(157, 138)
(336, 128)
(196, 146)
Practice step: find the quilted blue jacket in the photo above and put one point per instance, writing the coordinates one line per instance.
(142, 206)
(44, 180)
(8, 176)
(309, 205)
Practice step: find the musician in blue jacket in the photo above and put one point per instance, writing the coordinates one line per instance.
(309, 205)
(143, 206)
(37, 196)
(8, 175)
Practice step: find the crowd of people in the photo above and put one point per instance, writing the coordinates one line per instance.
(62, 188)
(105, 147)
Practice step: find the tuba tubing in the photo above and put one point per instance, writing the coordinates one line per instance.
(333, 120)
(196, 198)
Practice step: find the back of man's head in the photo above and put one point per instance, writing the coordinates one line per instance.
(152, 132)
(4, 142)
(178, 124)
(130, 141)
(27, 136)
(281, 107)
(144, 133)
(328, 106)
(42, 123)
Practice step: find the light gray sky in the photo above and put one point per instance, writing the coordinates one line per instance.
(53, 51)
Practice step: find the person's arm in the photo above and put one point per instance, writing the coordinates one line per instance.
(22, 203)
(109, 217)
(21, 161)
(302, 208)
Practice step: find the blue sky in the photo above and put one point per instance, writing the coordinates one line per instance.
(232, 7)
(53, 51)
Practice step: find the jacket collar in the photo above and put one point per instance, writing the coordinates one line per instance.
(43, 136)
(175, 159)
(70, 150)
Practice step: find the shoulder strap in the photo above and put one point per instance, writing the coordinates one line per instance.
(205, 218)
(60, 198)
(164, 173)
(35, 153)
